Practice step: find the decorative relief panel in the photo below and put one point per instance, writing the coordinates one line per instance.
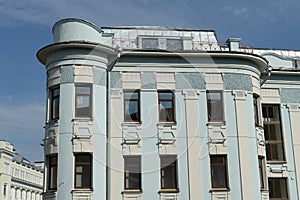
(190, 81)
(237, 82)
(50, 140)
(67, 74)
(217, 139)
(115, 80)
(54, 76)
(167, 139)
(165, 81)
(131, 137)
(131, 80)
(260, 141)
(169, 196)
(256, 85)
(270, 95)
(220, 195)
(148, 80)
(214, 81)
(83, 74)
(132, 196)
(290, 95)
(99, 76)
(82, 136)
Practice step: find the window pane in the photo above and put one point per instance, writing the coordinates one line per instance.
(168, 172)
(150, 43)
(218, 171)
(174, 44)
(52, 176)
(214, 106)
(131, 105)
(278, 188)
(83, 90)
(83, 101)
(132, 172)
(83, 171)
(54, 103)
(166, 106)
(272, 131)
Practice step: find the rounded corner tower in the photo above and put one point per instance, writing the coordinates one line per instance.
(76, 122)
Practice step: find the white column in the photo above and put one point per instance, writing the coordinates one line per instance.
(193, 145)
(13, 193)
(294, 112)
(242, 117)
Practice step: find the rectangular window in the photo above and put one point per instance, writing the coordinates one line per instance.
(150, 43)
(83, 101)
(262, 172)
(83, 170)
(214, 106)
(166, 106)
(168, 172)
(5, 189)
(273, 132)
(256, 110)
(174, 44)
(132, 106)
(54, 103)
(278, 189)
(218, 170)
(132, 172)
(52, 173)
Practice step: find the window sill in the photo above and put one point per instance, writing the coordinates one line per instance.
(276, 162)
(219, 123)
(169, 191)
(132, 191)
(167, 123)
(219, 190)
(131, 123)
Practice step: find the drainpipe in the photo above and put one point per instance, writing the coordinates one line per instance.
(109, 69)
(268, 70)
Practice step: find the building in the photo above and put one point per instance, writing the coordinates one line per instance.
(19, 179)
(165, 113)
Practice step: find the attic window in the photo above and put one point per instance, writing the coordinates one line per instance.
(150, 43)
(165, 43)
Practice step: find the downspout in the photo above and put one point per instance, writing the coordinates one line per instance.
(268, 70)
(109, 69)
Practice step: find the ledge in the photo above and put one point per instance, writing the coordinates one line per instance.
(133, 191)
(168, 191)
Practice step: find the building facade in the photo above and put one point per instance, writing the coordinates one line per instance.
(165, 113)
(19, 180)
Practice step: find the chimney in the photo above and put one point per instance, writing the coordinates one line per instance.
(233, 44)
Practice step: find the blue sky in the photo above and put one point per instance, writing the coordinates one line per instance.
(25, 27)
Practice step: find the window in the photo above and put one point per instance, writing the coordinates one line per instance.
(132, 172)
(256, 110)
(278, 189)
(52, 173)
(218, 170)
(174, 44)
(83, 170)
(54, 103)
(83, 101)
(214, 106)
(132, 106)
(272, 131)
(168, 172)
(150, 43)
(166, 106)
(262, 172)
(5, 189)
